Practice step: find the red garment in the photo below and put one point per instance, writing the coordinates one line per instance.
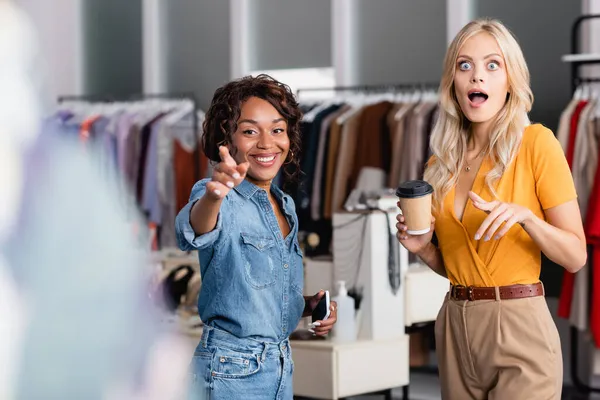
(184, 165)
(86, 127)
(203, 168)
(152, 228)
(568, 283)
(592, 233)
(573, 131)
(595, 312)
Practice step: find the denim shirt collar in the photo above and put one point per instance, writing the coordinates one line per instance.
(248, 189)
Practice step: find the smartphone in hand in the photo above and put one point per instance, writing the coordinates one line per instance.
(321, 311)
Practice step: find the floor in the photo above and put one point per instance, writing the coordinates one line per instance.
(425, 386)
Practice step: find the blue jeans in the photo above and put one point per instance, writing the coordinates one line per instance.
(225, 367)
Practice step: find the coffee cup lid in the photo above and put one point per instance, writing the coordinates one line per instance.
(412, 189)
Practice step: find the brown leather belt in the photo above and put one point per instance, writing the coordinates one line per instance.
(472, 293)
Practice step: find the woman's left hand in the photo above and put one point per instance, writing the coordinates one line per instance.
(322, 328)
(498, 213)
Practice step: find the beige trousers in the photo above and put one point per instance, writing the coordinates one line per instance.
(498, 350)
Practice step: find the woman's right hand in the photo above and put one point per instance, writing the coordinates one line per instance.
(415, 244)
(226, 175)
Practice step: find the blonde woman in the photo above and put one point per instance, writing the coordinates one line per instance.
(503, 194)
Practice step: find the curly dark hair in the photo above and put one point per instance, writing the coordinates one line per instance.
(221, 118)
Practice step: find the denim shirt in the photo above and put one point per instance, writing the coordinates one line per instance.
(252, 277)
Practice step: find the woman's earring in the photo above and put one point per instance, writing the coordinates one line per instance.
(291, 158)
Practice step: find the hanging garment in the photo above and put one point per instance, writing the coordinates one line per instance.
(335, 136)
(568, 284)
(592, 227)
(398, 125)
(310, 134)
(321, 163)
(340, 141)
(583, 142)
(135, 141)
(373, 145)
(564, 127)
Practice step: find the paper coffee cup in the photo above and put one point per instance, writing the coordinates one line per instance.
(415, 202)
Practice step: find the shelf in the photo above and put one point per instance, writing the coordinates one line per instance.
(582, 58)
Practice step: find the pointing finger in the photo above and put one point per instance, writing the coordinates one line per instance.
(225, 156)
(475, 197)
(485, 206)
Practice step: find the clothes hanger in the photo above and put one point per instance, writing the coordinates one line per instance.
(578, 92)
(596, 97)
(356, 101)
(389, 94)
(184, 133)
(114, 112)
(397, 96)
(71, 106)
(585, 92)
(112, 109)
(416, 96)
(432, 96)
(183, 109)
(91, 110)
(310, 116)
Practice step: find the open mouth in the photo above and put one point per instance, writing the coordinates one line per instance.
(477, 97)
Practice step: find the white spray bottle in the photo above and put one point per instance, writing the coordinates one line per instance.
(344, 329)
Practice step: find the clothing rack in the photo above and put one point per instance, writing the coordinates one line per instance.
(576, 60)
(393, 275)
(374, 88)
(102, 98)
(107, 98)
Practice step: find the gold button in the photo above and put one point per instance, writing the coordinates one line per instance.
(222, 359)
(285, 266)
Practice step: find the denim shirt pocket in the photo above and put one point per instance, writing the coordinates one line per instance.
(259, 265)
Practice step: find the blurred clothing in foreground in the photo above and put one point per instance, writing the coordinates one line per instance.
(77, 321)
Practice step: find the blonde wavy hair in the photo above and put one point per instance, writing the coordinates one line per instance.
(451, 131)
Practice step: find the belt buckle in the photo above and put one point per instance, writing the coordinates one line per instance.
(453, 292)
(470, 294)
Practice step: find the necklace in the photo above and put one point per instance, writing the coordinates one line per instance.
(467, 163)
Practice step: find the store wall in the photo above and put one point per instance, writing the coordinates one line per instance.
(60, 47)
(112, 47)
(290, 34)
(399, 41)
(197, 47)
